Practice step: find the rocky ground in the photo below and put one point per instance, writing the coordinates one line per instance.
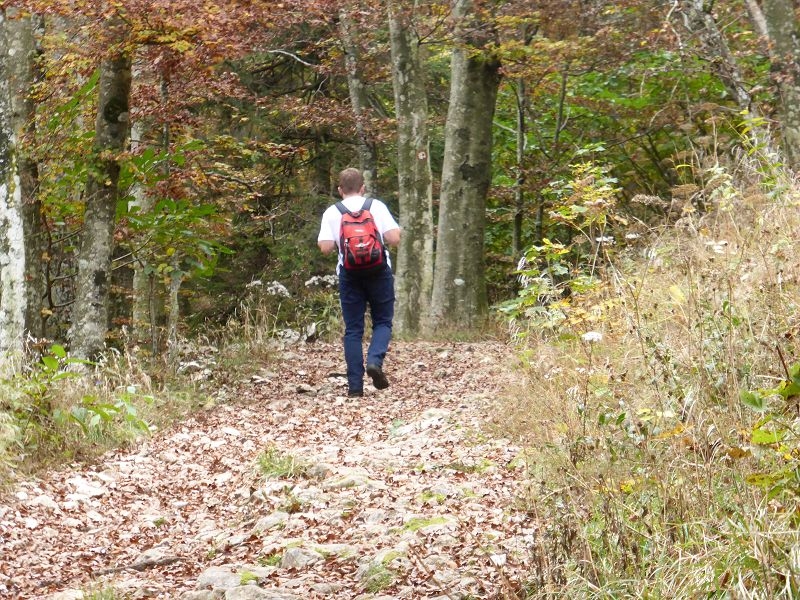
(287, 489)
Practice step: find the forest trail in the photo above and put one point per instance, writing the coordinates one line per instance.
(400, 494)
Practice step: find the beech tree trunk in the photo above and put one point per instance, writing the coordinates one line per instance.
(22, 269)
(143, 306)
(459, 288)
(90, 312)
(21, 78)
(414, 273)
(12, 234)
(779, 16)
(148, 291)
(368, 160)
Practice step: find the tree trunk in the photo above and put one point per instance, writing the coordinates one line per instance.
(519, 184)
(699, 21)
(368, 161)
(781, 25)
(90, 312)
(414, 280)
(21, 76)
(459, 288)
(12, 234)
(144, 329)
(176, 276)
(148, 294)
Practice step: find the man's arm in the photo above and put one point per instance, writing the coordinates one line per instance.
(392, 236)
(327, 246)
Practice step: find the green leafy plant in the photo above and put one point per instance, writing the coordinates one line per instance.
(38, 387)
(553, 274)
(776, 430)
(92, 413)
(47, 413)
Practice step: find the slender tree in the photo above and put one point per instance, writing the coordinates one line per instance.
(359, 100)
(700, 21)
(459, 287)
(12, 247)
(414, 281)
(519, 186)
(90, 313)
(781, 24)
(21, 77)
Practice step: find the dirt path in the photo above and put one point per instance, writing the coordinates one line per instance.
(400, 494)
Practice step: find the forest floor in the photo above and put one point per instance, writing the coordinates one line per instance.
(285, 488)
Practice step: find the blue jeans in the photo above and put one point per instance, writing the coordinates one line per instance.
(355, 292)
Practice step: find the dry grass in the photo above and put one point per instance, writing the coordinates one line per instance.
(646, 478)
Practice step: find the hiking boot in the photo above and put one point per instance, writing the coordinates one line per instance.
(378, 378)
(355, 393)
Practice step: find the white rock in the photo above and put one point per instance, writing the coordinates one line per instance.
(219, 578)
(65, 595)
(45, 501)
(86, 488)
(169, 457)
(276, 519)
(222, 478)
(73, 523)
(252, 592)
(300, 558)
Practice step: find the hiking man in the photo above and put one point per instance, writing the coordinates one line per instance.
(364, 277)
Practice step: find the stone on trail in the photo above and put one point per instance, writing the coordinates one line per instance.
(300, 558)
(219, 578)
(276, 519)
(66, 595)
(252, 592)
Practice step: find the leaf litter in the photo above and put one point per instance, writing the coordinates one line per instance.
(400, 494)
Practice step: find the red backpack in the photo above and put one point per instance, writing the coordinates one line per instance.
(360, 241)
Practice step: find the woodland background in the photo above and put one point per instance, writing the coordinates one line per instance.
(610, 185)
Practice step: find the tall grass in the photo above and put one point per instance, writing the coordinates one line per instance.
(650, 477)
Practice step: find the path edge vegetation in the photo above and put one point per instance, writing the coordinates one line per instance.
(658, 404)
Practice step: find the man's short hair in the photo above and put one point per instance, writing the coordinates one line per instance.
(350, 181)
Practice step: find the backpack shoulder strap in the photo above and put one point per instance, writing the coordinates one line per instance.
(366, 206)
(342, 208)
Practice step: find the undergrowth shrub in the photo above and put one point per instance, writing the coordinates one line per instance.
(59, 408)
(660, 402)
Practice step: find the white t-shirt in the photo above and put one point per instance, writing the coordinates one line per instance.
(332, 220)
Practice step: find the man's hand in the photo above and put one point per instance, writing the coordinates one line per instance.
(392, 236)
(327, 246)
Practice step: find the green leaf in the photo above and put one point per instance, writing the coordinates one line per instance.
(50, 363)
(58, 351)
(787, 389)
(762, 480)
(753, 400)
(766, 437)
